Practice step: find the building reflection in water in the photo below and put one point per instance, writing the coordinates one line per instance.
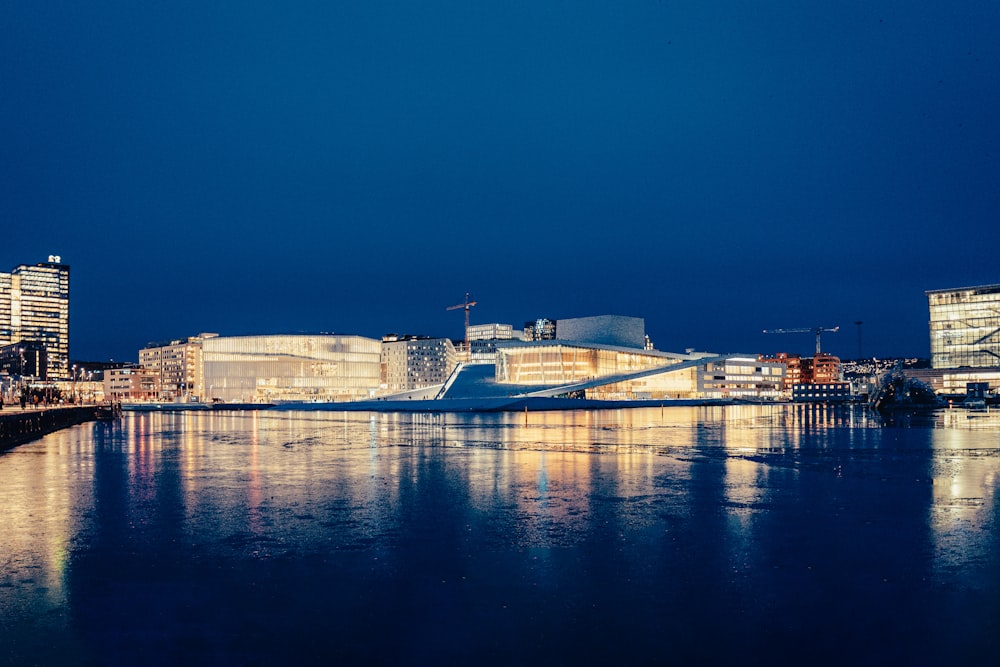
(963, 514)
(46, 504)
(706, 501)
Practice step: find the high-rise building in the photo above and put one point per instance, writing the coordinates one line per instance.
(34, 307)
(965, 335)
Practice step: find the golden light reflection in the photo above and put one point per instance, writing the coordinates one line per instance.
(261, 481)
(45, 496)
(963, 492)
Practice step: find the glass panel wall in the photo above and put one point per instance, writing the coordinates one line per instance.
(273, 369)
(562, 364)
(965, 327)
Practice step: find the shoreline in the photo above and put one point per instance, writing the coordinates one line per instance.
(22, 427)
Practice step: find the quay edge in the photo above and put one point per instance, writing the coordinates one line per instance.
(18, 428)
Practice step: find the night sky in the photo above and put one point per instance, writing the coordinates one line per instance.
(716, 168)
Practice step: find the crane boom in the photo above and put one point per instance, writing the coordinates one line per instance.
(814, 330)
(467, 306)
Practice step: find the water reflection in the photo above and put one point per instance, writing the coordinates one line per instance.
(732, 525)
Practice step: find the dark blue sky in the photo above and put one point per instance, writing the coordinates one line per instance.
(246, 167)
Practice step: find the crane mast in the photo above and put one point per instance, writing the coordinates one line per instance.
(467, 306)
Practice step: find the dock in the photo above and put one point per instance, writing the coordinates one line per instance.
(18, 427)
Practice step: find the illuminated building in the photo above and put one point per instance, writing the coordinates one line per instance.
(965, 336)
(483, 340)
(793, 368)
(820, 369)
(6, 326)
(415, 362)
(606, 372)
(179, 364)
(540, 329)
(131, 383)
(822, 392)
(739, 376)
(825, 368)
(608, 357)
(24, 359)
(317, 368)
(34, 307)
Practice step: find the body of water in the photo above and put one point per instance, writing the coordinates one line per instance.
(736, 535)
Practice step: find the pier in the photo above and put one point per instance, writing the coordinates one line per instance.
(18, 427)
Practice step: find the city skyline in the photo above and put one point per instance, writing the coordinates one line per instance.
(716, 171)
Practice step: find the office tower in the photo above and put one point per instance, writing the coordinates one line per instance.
(34, 308)
(965, 336)
(965, 327)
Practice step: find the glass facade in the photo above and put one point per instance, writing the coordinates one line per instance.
(958, 383)
(6, 331)
(295, 368)
(34, 306)
(965, 327)
(670, 384)
(559, 363)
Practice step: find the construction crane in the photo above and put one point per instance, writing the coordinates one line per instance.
(813, 330)
(467, 306)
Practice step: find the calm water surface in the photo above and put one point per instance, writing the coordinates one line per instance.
(737, 535)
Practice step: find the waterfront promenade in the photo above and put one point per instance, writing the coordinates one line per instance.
(18, 426)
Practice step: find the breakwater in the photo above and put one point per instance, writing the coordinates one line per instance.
(17, 428)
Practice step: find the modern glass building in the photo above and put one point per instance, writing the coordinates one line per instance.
(290, 368)
(34, 307)
(965, 327)
(558, 362)
(605, 372)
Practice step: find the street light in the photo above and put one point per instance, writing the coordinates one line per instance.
(20, 378)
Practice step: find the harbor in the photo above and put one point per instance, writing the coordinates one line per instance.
(691, 535)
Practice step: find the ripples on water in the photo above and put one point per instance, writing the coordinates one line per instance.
(755, 534)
